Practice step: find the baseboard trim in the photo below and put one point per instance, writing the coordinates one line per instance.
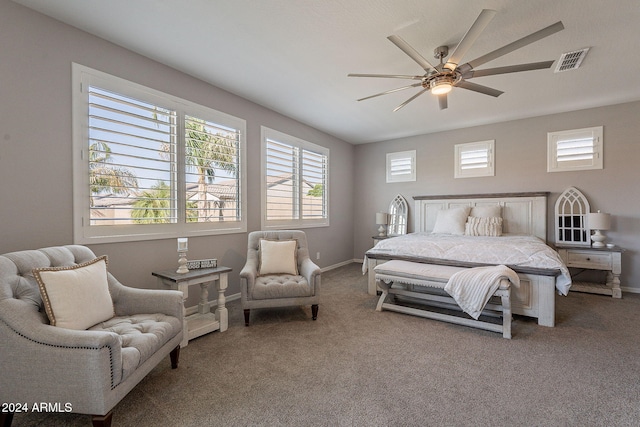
(338, 265)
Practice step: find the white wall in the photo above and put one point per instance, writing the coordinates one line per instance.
(521, 155)
(35, 149)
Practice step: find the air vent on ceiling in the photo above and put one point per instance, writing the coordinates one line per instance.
(571, 60)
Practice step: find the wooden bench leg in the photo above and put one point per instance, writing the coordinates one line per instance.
(506, 314)
(385, 291)
(247, 313)
(314, 311)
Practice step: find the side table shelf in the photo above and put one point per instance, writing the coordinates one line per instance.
(603, 259)
(203, 321)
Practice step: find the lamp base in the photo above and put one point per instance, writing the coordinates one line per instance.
(381, 231)
(182, 263)
(598, 239)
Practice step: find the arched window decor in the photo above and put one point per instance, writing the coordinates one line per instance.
(398, 212)
(572, 208)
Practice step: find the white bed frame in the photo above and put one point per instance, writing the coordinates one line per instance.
(522, 213)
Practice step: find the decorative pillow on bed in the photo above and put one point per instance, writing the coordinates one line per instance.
(451, 221)
(278, 257)
(483, 226)
(76, 297)
(490, 211)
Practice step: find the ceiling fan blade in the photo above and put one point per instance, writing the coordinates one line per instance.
(442, 101)
(387, 76)
(508, 69)
(538, 35)
(479, 88)
(470, 37)
(391, 91)
(409, 100)
(406, 48)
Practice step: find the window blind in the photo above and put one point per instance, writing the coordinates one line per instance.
(474, 159)
(211, 171)
(577, 149)
(132, 146)
(295, 181)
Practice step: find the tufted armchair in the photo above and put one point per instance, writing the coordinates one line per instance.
(278, 289)
(87, 371)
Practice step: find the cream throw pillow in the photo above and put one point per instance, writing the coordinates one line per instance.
(76, 297)
(278, 257)
(483, 226)
(451, 221)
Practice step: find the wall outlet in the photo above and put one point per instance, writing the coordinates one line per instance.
(317, 255)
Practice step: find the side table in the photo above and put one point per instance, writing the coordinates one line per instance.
(604, 259)
(203, 321)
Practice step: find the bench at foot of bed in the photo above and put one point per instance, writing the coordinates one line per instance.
(400, 279)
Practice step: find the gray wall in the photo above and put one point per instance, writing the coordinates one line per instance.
(35, 149)
(521, 155)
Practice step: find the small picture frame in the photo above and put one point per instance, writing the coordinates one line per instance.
(202, 263)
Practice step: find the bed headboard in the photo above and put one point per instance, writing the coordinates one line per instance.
(522, 213)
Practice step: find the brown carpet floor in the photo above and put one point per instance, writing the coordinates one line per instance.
(358, 367)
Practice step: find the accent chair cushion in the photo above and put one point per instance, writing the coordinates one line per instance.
(451, 221)
(76, 297)
(278, 257)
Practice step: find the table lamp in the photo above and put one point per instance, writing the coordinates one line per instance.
(598, 222)
(381, 220)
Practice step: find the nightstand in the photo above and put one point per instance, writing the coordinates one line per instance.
(603, 259)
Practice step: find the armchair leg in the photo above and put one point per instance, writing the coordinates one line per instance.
(102, 420)
(175, 355)
(246, 316)
(6, 418)
(314, 311)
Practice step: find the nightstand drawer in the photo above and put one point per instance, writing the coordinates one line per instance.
(585, 259)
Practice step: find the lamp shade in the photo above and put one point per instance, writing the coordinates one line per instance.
(381, 218)
(599, 221)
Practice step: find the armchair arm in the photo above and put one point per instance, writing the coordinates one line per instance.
(37, 358)
(127, 300)
(310, 271)
(249, 272)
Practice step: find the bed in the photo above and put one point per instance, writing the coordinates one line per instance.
(521, 247)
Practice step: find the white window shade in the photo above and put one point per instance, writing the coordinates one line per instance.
(148, 165)
(474, 159)
(295, 182)
(579, 149)
(401, 166)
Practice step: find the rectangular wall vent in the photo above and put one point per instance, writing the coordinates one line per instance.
(571, 60)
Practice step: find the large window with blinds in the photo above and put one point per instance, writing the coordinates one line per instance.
(577, 149)
(295, 182)
(148, 165)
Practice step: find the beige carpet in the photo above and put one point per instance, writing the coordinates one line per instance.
(357, 367)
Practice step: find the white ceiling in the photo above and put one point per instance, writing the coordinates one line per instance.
(293, 56)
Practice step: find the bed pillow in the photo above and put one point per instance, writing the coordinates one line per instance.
(451, 221)
(76, 297)
(278, 257)
(490, 211)
(483, 226)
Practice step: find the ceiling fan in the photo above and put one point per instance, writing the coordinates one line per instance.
(441, 78)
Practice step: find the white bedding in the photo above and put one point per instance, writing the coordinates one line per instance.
(512, 251)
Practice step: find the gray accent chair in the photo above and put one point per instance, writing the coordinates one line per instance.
(91, 370)
(279, 290)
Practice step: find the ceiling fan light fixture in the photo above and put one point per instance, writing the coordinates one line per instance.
(441, 86)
